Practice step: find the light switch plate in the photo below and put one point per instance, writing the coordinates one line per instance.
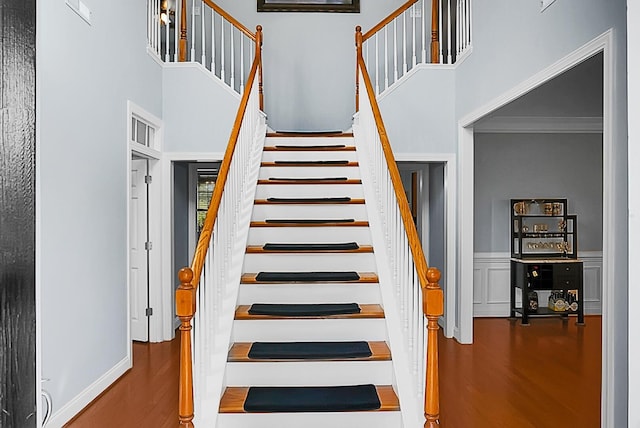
(545, 4)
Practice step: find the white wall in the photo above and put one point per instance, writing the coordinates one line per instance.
(512, 41)
(309, 62)
(87, 73)
(198, 110)
(634, 209)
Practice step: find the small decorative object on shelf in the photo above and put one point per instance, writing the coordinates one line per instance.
(544, 257)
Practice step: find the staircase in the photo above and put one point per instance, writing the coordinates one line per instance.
(310, 342)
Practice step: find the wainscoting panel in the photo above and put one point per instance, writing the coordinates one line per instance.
(491, 277)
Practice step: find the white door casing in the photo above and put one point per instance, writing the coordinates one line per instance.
(138, 253)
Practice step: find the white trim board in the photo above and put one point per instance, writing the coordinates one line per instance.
(602, 43)
(542, 125)
(79, 402)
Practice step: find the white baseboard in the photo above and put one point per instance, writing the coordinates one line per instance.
(73, 407)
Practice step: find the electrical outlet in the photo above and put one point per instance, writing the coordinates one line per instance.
(545, 4)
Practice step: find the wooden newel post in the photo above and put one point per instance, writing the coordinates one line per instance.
(358, 56)
(182, 46)
(259, 38)
(433, 305)
(435, 32)
(185, 309)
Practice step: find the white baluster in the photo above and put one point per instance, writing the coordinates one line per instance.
(440, 33)
(449, 31)
(241, 64)
(404, 42)
(424, 33)
(213, 42)
(376, 67)
(386, 58)
(204, 35)
(222, 48)
(395, 50)
(167, 42)
(176, 30)
(232, 62)
(193, 30)
(413, 37)
(458, 27)
(468, 23)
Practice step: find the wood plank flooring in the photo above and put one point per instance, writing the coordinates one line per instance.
(546, 375)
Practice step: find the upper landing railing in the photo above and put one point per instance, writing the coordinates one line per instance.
(201, 31)
(418, 32)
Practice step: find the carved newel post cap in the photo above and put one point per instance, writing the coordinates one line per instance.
(358, 29)
(185, 275)
(433, 275)
(258, 28)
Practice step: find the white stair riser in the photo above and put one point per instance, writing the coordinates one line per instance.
(309, 373)
(306, 141)
(354, 211)
(262, 235)
(309, 155)
(312, 420)
(309, 171)
(308, 293)
(312, 329)
(300, 262)
(308, 191)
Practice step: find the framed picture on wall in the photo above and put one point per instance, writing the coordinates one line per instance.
(351, 6)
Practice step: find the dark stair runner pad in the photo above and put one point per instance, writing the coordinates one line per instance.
(309, 179)
(311, 247)
(304, 309)
(307, 276)
(304, 200)
(309, 350)
(318, 146)
(269, 399)
(303, 162)
(310, 220)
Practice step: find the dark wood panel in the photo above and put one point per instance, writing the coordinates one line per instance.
(17, 213)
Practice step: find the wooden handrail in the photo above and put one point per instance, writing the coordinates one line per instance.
(433, 298)
(388, 19)
(190, 276)
(231, 19)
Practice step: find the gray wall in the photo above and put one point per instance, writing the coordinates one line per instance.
(309, 62)
(87, 74)
(536, 165)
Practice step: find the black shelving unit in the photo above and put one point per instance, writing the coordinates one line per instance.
(544, 257)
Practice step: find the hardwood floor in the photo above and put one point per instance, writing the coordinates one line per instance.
(544, 376)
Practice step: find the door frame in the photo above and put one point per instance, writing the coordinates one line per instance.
(449, 160)
(153, 154)
(464, 330)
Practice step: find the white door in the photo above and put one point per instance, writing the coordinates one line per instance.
(138, 251)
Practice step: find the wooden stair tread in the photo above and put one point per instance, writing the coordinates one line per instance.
(354, 201)
(239, 352)
(357, 223)
(320, 134)
(366, 311)
(309, 149)
(320, 165)
(233, 399)
(365, 278)
(308, 181)
(257, 249)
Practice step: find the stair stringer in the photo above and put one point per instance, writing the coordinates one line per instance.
(407, 393)
(206, 406)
